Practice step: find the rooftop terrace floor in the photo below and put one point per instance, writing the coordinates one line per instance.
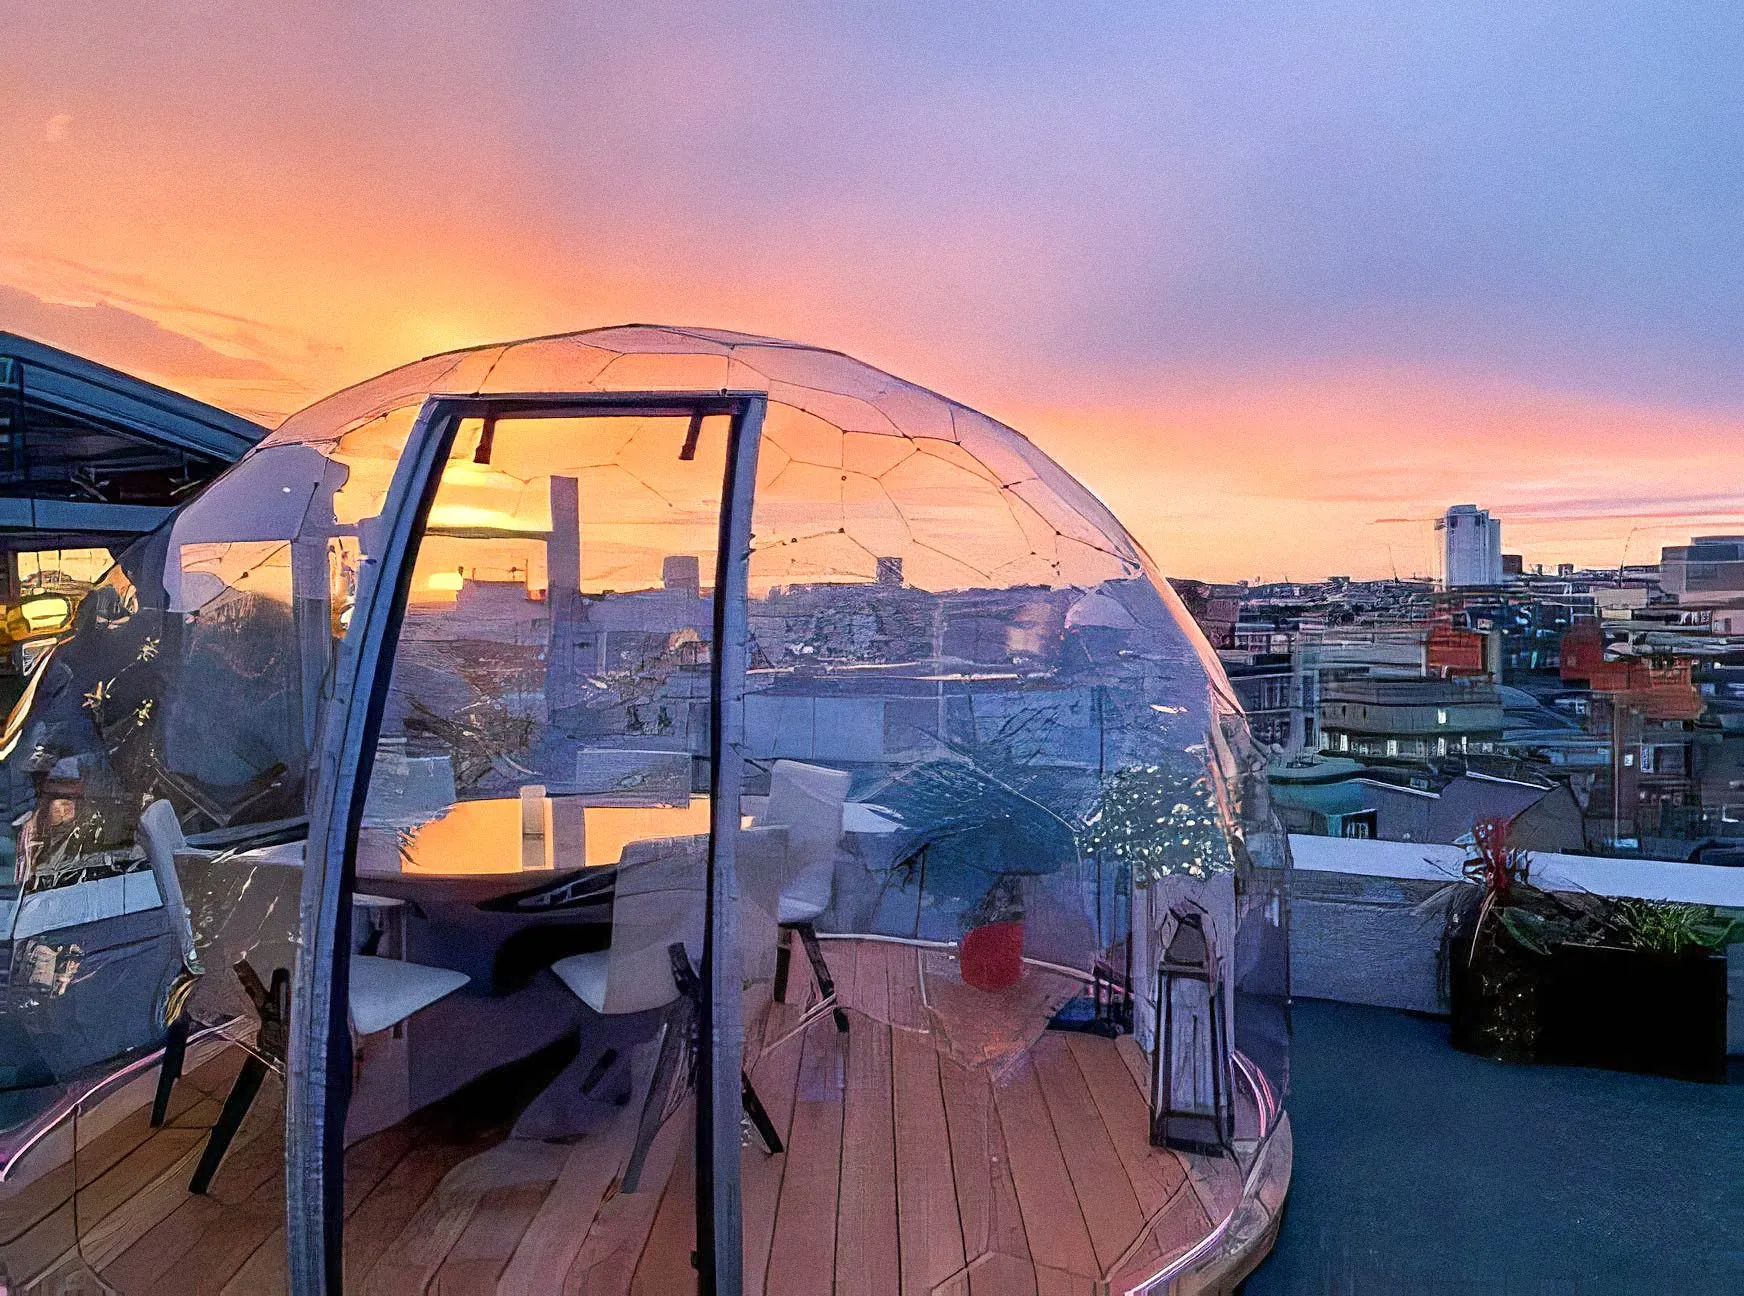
(1422, 1171)
(934, 1148)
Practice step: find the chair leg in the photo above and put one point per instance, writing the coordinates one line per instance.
(170, 1069)
(754, 1108)
(820, 969)
(601, 1068)
(673, 1043)
(783, 964)
(242, 1093)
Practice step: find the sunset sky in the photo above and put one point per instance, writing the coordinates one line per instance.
(1280, 280)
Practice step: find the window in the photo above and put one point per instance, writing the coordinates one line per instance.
(1392, 746)
(1360, 826)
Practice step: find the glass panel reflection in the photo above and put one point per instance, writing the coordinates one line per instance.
(534, 848)
(156, 776)
(987, 761)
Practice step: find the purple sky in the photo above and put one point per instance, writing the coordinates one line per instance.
(1262, 274)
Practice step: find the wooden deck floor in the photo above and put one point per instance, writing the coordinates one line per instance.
(945, 1144)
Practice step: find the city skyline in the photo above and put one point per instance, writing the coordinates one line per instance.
(1280, 291)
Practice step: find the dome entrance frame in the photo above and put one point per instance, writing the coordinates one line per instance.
(319, 1058)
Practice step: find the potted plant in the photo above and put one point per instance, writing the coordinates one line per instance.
(1645, 991)
(1157, 822)
(975, 837)
(1536, 976)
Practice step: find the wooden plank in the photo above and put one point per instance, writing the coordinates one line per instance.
(37, 1201)
(371, 1160)
(802, 1258)
(665, 1268)
(1156, 1174)
(495, 1229)
(776, 1076)
(224, 1249)
(987, 1201)
(391, 1207)
(614, 1244)
(1099, 1180)
(411, 1261)
(1062, 1282)
(119, 1223)
(902, 969)
(367, 1163)
(199, 1232)
(871, 980)
(867, 1262)
(40, 1247)
(190, 1104)
(451, 1213)
(1179, 1225)
(264, 1272)
(559, 1230)
(994, 1273)
(840, 957)
(929, 1229)
(1053, 1219)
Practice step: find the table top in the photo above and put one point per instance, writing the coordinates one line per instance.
(489, 837)
(486, 837)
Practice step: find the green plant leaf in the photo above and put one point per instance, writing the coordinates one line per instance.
(1527, 929)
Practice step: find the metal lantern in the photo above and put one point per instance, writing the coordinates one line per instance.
(1190, 1096)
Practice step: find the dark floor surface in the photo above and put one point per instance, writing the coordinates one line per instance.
(1421, 1171)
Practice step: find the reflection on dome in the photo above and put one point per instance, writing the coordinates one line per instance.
(924, 803)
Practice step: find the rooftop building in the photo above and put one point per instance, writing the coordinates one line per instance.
(1707, 569)
(1471, 547)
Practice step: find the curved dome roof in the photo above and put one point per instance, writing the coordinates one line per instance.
(827, 411)
(856, 464)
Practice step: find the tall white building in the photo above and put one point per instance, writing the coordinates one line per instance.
(1471, 546)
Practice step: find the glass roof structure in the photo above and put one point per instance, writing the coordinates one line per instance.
(693, 792)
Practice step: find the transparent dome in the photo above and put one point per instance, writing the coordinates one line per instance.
(579, 720)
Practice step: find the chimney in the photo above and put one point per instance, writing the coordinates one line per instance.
(563, 595)
(563, 548)
(682, 573)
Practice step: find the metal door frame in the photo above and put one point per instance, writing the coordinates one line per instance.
(318, 1079)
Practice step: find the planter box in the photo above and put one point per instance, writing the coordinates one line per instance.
(1596, 1006)
(1633, 1011)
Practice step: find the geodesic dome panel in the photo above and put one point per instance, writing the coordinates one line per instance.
(974, 762)
(857, 464)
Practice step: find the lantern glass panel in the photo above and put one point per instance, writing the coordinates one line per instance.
(1192, 1069)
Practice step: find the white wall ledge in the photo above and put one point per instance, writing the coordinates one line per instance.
(1703, 884)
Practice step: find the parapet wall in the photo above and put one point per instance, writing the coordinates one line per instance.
(1360, 933)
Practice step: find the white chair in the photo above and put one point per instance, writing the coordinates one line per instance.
(658, 900)
(160, 833)
(386, 991)
(659, 906)
(807, 800)
(760, 863)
